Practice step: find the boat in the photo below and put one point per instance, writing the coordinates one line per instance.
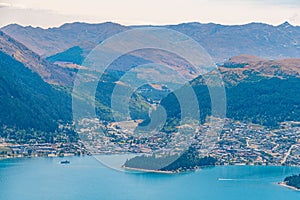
(65, 162)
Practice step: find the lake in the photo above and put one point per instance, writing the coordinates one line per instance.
(87, 178)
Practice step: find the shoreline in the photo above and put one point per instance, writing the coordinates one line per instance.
(28, 157)
(149, 170)
(138, 169)
(283, 184)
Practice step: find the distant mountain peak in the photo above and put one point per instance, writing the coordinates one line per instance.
(75, 24)
(285, 24)
(12, 26)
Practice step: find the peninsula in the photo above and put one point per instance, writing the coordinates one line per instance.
(189, 160)
(292, 182)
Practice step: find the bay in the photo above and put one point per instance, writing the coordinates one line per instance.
(87, 178)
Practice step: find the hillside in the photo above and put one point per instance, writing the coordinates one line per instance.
(27, 102)
(73, 55)
(263, 92)
(35, 94)
(31, 108)
(50, 73)
(245, 67)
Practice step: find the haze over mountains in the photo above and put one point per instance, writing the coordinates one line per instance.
(259, 63)
(221, 42)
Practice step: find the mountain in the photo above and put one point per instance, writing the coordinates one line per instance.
(257, 90)
(47, 42)
(49, 72)
(33, 102)
(27, 102)
(246, 67)
(220, 41)
(260, 90)
(256, 39)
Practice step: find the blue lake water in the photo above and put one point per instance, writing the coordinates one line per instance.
(86, 178)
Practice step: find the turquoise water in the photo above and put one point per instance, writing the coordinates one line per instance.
(86, 178)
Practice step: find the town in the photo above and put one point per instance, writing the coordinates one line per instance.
(60, 145)
(237, 143)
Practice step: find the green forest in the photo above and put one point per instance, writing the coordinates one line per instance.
(293, 181)
(188, 160)
(27, 102)
(266, 102)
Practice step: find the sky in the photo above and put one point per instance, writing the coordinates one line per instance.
(53, 13)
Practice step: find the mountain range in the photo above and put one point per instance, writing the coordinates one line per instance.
(259, 64)
(47, 42)
(220, 41)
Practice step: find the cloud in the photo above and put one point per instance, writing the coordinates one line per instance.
(4, 5)
(13, 6)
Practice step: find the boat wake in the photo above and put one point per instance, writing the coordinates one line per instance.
(231, 179)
